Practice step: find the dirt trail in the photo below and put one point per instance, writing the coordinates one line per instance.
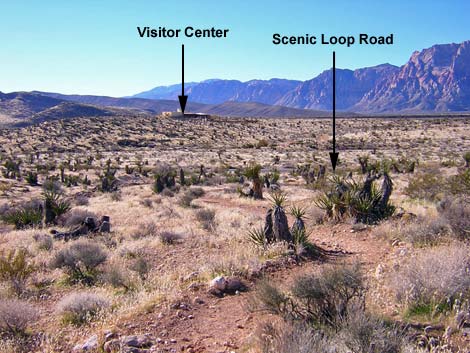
(204, 323)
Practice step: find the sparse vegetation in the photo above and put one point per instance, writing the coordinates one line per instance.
(79, 308)
(16, 316)
(80, 259)
(163, 250)
(15, 268)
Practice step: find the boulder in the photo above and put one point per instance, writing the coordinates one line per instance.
(90, 345)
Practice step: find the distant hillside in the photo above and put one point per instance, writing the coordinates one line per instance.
(18, 106)
(236, 109)
(21, 108)
(219, 91)
(149, 105)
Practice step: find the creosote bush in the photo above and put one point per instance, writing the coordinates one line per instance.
(320, 300)
(82, 307)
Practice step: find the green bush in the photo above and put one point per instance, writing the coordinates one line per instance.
(320, 299)
(16, 269)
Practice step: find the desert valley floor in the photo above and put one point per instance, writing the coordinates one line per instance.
(186, 262)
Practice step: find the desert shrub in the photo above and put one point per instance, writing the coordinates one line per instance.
(80, 259)
(321, 299)
(457, 213)
(117, 276)
(426, 230)
(115, 195)
(169, 238)
(366, 204)
(361, 333)
(75, 217)
(428, 186)
(364, 333)
(140, 266)
(52, 185)
(293, 338)
(460, 183)
(82, 307)
(466, 157)
(81, 200)
(25, 215)
(190, 195)
(146, 229)
(262, 143)
(272, 299)
(32, 178)
(167, 193)
(325, 298)
(206, 218)
(147, 202)
(433, 279)
(16, 269)
(44, 241)
(16, 316)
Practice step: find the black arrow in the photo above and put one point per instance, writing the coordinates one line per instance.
(183, 98)
(334, 155)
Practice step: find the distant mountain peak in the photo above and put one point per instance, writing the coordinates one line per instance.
(434, 79)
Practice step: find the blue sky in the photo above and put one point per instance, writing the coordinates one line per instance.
(92, 47)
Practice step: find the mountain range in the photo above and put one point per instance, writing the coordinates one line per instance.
(436, 79)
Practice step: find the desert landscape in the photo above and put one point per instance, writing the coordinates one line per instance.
(234, 177)
(215, 234)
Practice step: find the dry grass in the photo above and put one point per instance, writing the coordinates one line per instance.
(160, 245)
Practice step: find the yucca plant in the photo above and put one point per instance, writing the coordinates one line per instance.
(29, 215)
(299, 215)
(278, 199)
(257, 237)
(54, 205)
(253, 173)
(367, 204)
(280, 225)
(300, 237)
